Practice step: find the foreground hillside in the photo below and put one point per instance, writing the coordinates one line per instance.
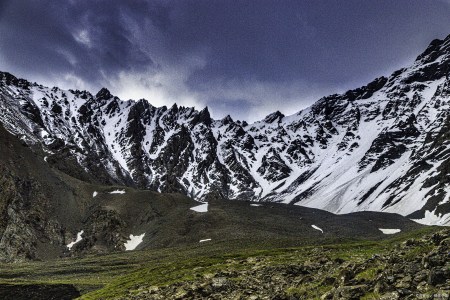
(408, 266)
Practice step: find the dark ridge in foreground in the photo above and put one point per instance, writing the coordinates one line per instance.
(38, 292)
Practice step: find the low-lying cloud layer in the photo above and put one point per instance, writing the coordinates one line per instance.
(243, 58)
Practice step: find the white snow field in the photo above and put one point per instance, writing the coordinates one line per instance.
(389, 231)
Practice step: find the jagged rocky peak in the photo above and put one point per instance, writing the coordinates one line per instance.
(9, 79)
(432, 64)
(6, 76)
(203, 117)
(85, 95)
(436, 48)
(103, 94)
(174, 108)
(365, 149)
(367, 91)
(274, 117)
(227, 120)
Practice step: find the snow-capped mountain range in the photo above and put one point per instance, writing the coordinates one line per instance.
(381, 147)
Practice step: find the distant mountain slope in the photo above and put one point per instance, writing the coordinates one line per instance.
(47, 214)
(381, 147)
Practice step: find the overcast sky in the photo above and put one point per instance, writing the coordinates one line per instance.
(243, 58)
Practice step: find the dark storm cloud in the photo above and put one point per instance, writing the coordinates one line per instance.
(43, 37)
(244, 58)
(321, 41)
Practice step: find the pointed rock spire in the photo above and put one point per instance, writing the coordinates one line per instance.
(103, 94)
(174, 108)
(203, 117)
(227, 120)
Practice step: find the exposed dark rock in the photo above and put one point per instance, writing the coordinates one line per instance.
(274, 117)
(103, 94)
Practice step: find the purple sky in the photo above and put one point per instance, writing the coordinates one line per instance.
(243, 58)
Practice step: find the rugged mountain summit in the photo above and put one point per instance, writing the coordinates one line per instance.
(380, 147)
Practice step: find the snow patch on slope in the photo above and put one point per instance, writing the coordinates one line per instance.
(389, 231)
(431, 218)
(134, 241)
(317, 228)
(79, 238)
(118, 192)
(200, 208)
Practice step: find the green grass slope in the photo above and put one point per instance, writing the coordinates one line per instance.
(218, 270)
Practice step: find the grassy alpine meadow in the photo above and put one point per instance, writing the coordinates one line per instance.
(194, 272)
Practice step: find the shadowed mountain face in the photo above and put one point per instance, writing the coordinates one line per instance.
(43, 208)
(381, 147)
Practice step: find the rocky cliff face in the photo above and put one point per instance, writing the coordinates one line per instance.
(27, 207)
(380, 147)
